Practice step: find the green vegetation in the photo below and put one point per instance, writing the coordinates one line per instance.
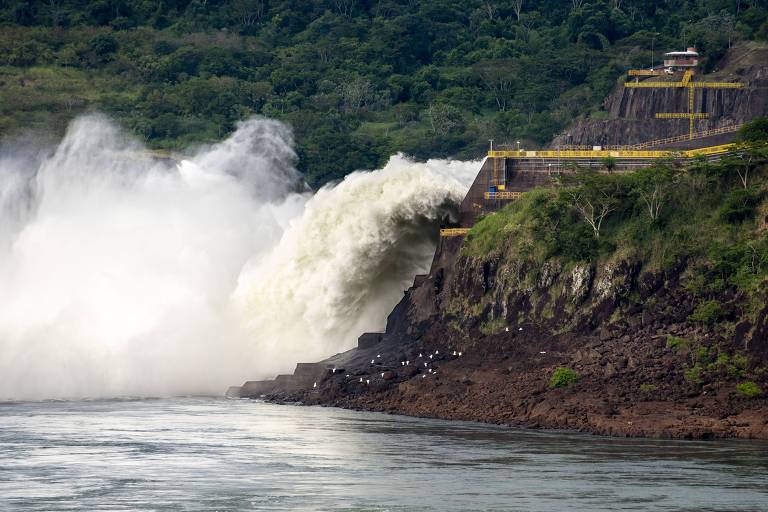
(748, 389)
(676, 343)
(492, 326)
(647, 388)
(563, 377)
(669, 213)
(357, 79)
(693, 375)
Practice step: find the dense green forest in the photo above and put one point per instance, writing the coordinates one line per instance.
(357, 79)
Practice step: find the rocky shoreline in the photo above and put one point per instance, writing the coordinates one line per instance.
(634, 368)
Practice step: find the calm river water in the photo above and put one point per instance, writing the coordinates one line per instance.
(215, 454)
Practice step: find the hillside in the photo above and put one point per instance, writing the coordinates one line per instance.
(357, 80)
(649, 320)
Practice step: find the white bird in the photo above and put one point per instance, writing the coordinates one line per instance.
(520, 329)
(372, 361)
(459, 354)
(506, 329)
(347, 375)
(430, 356)
(407, 363)
(542, 352)
(382, 375)
(420, 354)
(379, 356)
(430, 370)
(437, 351)
(454, 352)
(361, 379)
(425, 364)
(424, 376)
(402, 363)
(315, 385)
(367, 381)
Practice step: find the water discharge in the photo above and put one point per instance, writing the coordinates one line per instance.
(127, 275)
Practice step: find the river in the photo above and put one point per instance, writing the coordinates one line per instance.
(216, 454)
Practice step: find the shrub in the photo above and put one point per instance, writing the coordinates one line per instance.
(676, 343)
(748, 389)
(739, 205)
(647, 388)
(693, 376)
(563, 377)
(707, 312)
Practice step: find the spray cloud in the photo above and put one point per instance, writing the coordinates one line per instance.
(122, 275)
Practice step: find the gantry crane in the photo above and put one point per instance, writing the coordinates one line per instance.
(688, 83)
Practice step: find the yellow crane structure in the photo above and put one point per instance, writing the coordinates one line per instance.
(688, 83)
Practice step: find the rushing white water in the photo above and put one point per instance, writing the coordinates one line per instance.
(126, 275)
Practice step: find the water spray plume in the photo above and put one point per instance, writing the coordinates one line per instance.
(124, 275)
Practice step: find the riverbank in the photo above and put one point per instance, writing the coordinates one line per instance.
(658, 328)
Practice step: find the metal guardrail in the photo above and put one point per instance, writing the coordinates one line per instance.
(504, 194)
(618, 153)
(454, 231)
(678, 138)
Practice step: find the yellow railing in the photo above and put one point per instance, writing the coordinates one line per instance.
(454, 231)
(697, 85)
(681, 115)
(645, 72)
(679, 138)
(505, 194)
(617, 153)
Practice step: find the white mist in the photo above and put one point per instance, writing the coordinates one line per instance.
(126, 276)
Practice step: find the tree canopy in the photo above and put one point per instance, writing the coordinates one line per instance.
(357, 79)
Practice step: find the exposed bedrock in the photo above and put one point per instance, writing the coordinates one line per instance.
(629, 112)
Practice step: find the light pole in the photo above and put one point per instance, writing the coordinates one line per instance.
(518, 146)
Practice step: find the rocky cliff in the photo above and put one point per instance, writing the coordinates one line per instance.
(665, 336)
(628, 113)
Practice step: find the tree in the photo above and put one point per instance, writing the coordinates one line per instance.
(248, 12)
(654, 186)
(592, 195)
(498, 76)
(517, 5)
(444, 118)
(355, 94)
(745, 158)
(609, 163)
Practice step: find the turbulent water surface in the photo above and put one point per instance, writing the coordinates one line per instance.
(214, 454)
